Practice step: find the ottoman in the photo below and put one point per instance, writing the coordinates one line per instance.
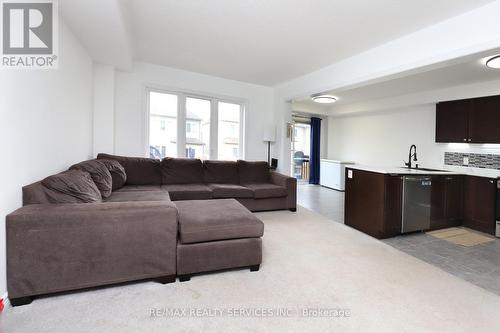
(216, 235)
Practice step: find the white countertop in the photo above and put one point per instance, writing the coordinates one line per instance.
(448, 170)
(336, 161)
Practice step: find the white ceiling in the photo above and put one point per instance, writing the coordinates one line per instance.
(450, 76)
(100, 26)
(268, 42)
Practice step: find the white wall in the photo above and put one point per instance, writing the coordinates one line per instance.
(46, 125)
(104, 109)
(380, 132)
(130, 111)
(323, 144)
(383, 139)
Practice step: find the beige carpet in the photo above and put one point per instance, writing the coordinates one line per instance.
(309, 262)
(462, 236)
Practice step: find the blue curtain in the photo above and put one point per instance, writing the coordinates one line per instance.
(314, 154)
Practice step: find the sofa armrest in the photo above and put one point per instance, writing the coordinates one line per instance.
(290, 184)
(58, 247)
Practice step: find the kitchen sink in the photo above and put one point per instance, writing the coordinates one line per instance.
(427, 169)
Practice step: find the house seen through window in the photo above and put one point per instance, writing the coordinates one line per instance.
(211, 129)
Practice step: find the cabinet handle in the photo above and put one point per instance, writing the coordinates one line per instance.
(491, 182)
(465, 140)
(470, 140)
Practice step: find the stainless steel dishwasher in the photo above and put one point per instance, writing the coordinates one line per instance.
(416, 203)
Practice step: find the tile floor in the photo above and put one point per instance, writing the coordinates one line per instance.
(322, 200)
(478, 264)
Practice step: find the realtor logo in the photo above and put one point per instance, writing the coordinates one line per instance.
(29, 34)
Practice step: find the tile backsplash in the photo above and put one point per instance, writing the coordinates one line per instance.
(484, 161)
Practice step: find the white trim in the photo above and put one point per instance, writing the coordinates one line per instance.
(6, 301)
(145, 94)
(243, 121)
(181, 117)
(181, 125)
(214, 129)
(193, 93)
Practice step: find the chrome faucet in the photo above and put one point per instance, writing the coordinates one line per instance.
(410, 155)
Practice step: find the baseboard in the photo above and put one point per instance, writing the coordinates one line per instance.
(6, 302)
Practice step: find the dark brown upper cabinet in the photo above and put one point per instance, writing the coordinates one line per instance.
(484, 120)
(452, 121)
(469, 120)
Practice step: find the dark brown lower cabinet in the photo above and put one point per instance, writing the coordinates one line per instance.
(447, 201)
(373, 203)
(479, 204)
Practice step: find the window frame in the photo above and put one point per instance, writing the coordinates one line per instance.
(181, 118)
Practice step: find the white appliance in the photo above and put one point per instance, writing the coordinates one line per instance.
(332, 173)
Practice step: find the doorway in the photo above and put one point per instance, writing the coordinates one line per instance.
(301, 145)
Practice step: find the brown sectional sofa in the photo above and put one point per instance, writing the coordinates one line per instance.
(59, 247)
(162, 219)
(251, 183)
(216, 235)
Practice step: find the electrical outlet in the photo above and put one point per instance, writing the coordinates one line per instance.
(466, 160)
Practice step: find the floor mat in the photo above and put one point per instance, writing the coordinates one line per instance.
(461, 236)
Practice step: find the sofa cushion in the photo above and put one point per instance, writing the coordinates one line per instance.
(230, 191)
(188, 191)
(253, 172)
(72, 186)
(35, 193)
(118, 175)
(266, 190)
(211, 220)
(99, 173)
(220, 172)
(133, 188)
(139, 170)
(123, 196)
(181, 171)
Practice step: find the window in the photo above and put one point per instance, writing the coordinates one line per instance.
(198, 128)
(229, 131)
(208, 128)
(162, 125)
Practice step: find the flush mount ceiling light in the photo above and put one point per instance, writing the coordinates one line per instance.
(493, 62)
(324, 99)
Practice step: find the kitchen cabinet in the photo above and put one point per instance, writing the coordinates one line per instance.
(479, 204)
(452, 121)
(470, 120)
(373, 203)
(484, 120)
(447, 201)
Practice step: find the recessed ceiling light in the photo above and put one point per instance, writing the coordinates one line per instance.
(493, 62)
(324, 99)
